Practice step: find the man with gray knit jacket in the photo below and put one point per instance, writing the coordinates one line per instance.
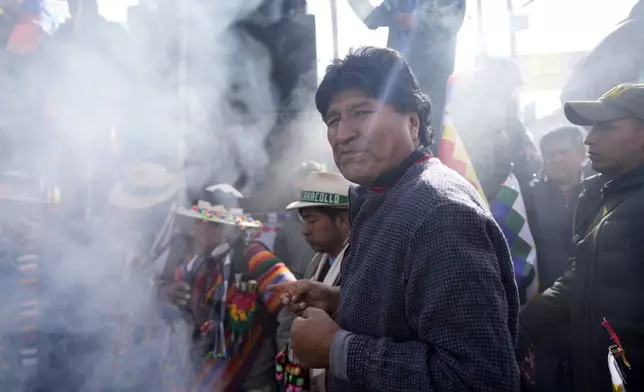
(428, 300)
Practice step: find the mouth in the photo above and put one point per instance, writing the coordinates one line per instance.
(351, 155)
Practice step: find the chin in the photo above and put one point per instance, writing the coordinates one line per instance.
(354, 174)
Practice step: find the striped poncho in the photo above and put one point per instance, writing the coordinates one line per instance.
(230, 374)
(19, 317)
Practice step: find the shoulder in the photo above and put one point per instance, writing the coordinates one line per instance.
(436, 199)
(596, 181)
(431, 184)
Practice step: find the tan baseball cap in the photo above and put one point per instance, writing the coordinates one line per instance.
(625, 100)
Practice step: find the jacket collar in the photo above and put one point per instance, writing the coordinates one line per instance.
(387, 179)
(629, 181)
(358, 194)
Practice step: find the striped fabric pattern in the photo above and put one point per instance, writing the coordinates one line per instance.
(452, 153)
(20, 261)
(228, 375)
(27, 262)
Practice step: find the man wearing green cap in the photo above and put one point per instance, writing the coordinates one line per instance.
(607, 278)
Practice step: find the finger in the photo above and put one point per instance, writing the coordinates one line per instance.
(311, 312)
(285, 286)
(297, 322)
(285, 298)
(180, 296)
(183, 286)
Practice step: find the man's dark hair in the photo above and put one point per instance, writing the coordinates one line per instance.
(380, 73)
(568, 133)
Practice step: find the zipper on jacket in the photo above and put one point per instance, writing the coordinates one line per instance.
(587, 322)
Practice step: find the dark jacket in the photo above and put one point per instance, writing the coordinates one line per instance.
(551, 214)
(433, 44)
(428, 295)
(606, 280)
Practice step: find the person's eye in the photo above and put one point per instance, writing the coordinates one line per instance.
(332, 122)
(363, 112)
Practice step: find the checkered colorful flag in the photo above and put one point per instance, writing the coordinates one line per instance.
(510, 213)
(452, 153)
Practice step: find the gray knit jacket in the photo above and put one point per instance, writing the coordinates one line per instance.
(428, 300)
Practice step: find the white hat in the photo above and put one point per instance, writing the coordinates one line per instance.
(20, 186)
(145, 185)
(323, 189)
(218, 213)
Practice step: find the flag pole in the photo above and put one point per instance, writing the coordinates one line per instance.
(334, 28)
(181, 92)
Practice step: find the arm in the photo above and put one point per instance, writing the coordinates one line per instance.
(373, 17)
(269, 270)
(441, 17)
(461, 300)
(552, 307)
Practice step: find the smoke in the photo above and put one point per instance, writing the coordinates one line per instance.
(199, 98)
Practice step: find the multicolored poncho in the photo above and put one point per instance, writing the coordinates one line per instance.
(224, 356)
(19, 265)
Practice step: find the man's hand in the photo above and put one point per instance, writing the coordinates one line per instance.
(406, 21)
(311, 338)
(175, 293)
(301, 294)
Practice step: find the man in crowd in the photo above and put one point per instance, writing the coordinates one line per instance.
(290, 245)
(606, 279)
(428, 299)
(25, 260)
(552, 200)
(424, 31)
(551, 203)
(212, 294)
(323, 206)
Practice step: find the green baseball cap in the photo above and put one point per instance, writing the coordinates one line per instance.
(625, 100)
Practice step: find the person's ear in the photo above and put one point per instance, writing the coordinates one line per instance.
(414, 127)
(344, 220)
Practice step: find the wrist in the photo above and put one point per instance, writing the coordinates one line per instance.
(334, 299)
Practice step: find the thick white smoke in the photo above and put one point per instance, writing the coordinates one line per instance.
(113, 97)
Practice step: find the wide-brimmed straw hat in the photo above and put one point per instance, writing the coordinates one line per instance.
(145, 185)
(219, 213)
(323, 189)
(20, 186)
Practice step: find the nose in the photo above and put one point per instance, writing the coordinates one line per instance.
(590, 138)
(346, 131)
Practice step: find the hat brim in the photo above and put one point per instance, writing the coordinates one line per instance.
(188, 212)
(24, 199)
(586, 113)
(122, 199)
(300, 204)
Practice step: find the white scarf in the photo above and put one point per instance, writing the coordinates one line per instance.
(334, 271)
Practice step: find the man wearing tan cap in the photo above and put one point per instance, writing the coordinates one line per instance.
(324, 209)
(607, 279)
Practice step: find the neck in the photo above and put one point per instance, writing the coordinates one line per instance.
(337, 249)
(395, 172)
(618, 173)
